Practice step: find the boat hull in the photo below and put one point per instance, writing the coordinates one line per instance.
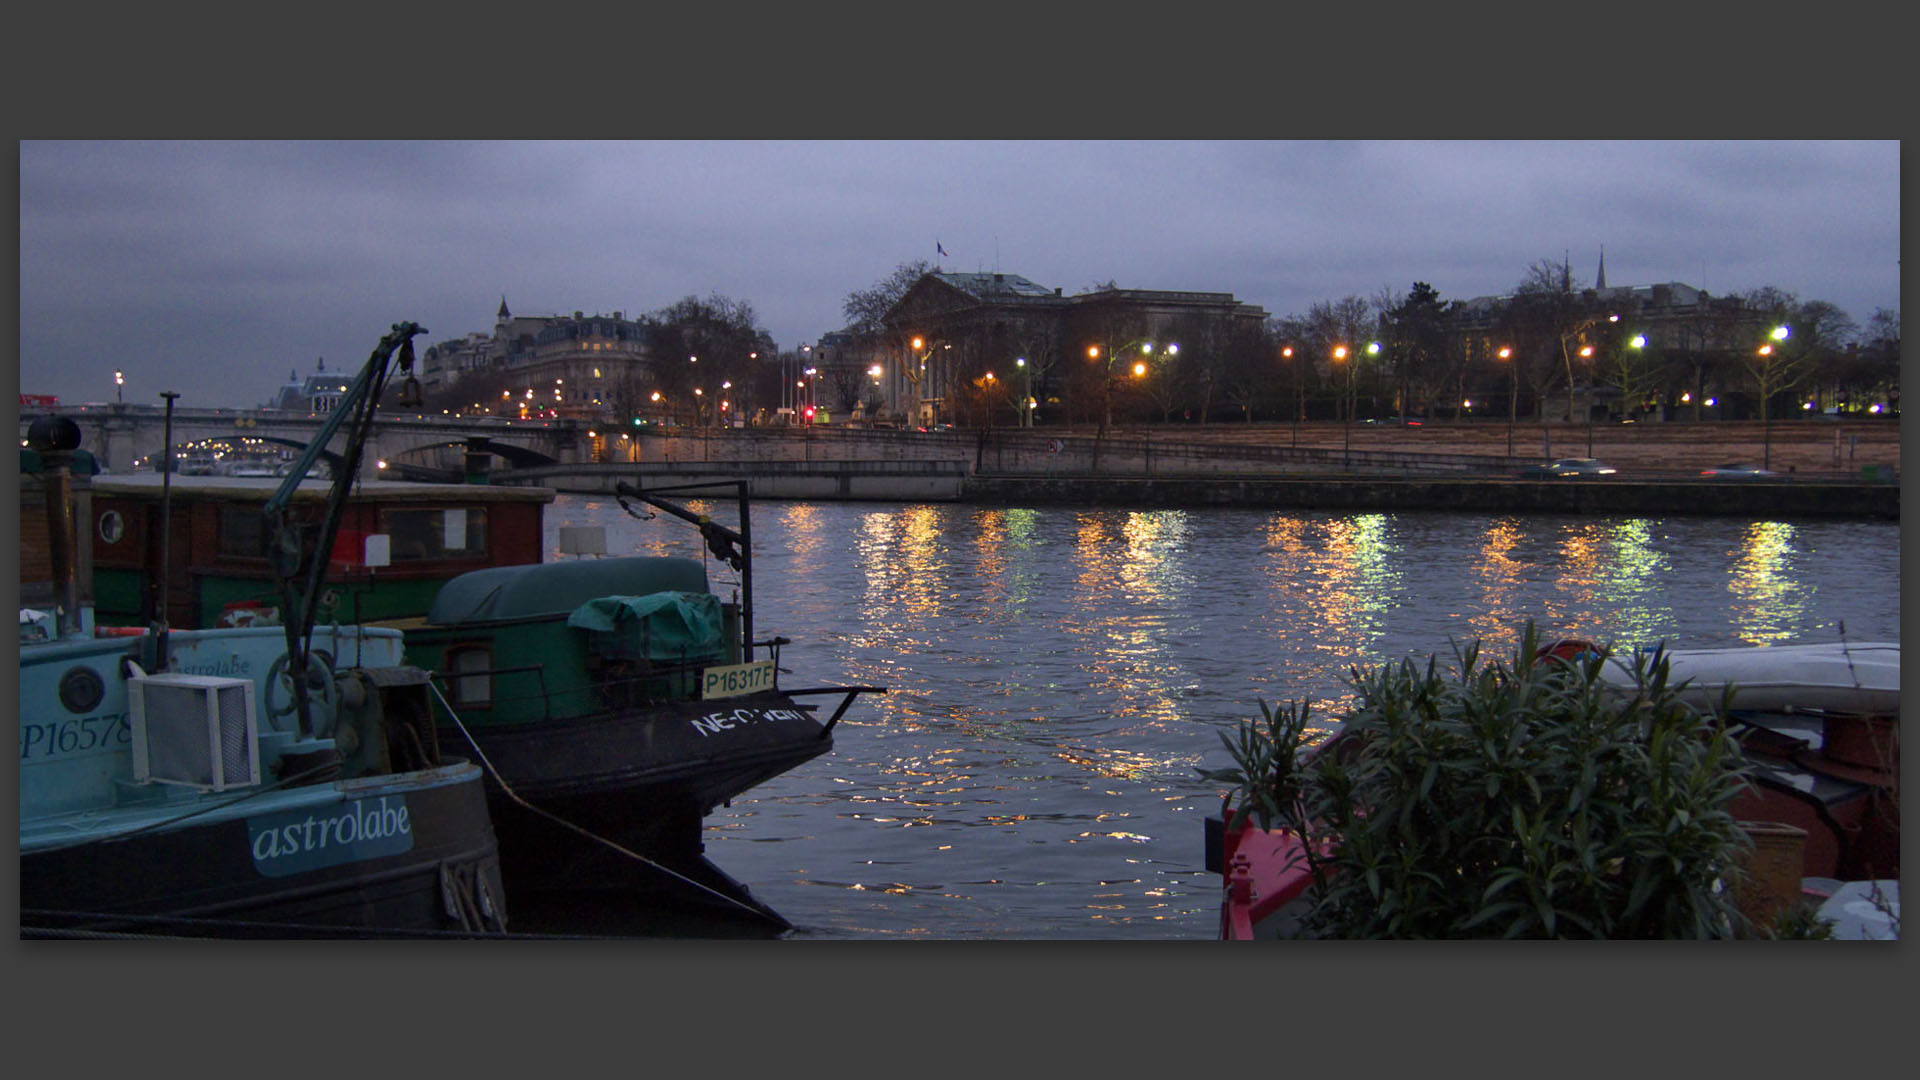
(411, 855)
(1831, 677)
(616, 801)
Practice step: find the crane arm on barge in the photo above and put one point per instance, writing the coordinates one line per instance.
(300, 551)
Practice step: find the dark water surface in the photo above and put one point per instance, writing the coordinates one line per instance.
(1058, 674)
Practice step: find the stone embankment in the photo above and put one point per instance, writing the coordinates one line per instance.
(1847, 469)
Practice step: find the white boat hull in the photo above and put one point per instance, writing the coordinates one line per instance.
(1842, 677)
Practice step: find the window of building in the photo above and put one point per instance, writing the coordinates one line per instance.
(243, 532)
(438, 533)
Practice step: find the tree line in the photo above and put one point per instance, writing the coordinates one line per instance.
(1553, 348)
(1550, 349)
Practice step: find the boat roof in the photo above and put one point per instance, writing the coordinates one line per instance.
(262, 488)
(557, 588)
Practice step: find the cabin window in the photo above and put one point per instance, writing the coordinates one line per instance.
(243, 532)
(469, 675)
(452, 533)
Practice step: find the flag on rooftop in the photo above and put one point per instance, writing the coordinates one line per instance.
(938, 248)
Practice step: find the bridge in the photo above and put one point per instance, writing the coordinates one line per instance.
(120, 434)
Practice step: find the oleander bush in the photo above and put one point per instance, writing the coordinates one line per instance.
(1515, 798)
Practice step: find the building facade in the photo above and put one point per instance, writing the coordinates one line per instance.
(576, 365)
(318, 392)
(998, 348)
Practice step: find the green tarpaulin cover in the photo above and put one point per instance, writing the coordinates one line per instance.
(659, 626)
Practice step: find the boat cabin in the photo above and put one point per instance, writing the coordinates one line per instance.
(568, 639)
(217, 573)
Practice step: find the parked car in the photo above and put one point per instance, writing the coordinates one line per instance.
(1570, 467)
(1735, 471)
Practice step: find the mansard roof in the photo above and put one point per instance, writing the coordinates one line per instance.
(990, 285)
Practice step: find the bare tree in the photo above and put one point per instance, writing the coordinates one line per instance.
(1632, 369)
(702, 344)
(1248, 375)
(866, 309)
(1293, 341)
(1348, 326)
(1416, 343)
(1039, 346)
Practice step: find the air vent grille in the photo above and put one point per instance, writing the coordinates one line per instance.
(196, 730)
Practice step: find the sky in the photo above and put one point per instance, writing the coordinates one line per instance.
(217, 269)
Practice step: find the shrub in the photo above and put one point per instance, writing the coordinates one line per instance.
(1515, 799)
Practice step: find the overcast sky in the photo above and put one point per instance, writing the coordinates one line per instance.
(215, 269)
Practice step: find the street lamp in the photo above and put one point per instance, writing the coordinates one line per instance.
(119, 385)
(915, 372)
(1513, 393)
(1026, 391)
(1340, 354)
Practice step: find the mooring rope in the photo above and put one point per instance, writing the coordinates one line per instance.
(564, 823)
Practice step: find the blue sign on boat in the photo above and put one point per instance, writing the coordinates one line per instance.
(296, 841)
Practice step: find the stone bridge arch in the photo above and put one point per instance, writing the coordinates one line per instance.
(333, 460)
(452, 460)
(520, 457)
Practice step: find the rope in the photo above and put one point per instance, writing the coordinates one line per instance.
(556, 819)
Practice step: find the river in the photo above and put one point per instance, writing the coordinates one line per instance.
(1058, 675)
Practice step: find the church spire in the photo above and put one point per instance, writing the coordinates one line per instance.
(1600, 279)
(504, 313)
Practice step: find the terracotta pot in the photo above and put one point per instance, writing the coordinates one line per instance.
(1773, 867)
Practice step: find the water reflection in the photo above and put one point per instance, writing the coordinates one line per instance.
(1770, 601)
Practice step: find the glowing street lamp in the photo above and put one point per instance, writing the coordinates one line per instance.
(1340, 355)
(1513, 393)
(119, 384)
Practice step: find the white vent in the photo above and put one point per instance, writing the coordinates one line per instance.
(196, 730)
(583, 539)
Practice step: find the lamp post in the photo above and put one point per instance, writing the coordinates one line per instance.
(1513, 393)
(1341, 354)
(119, 387)
(1779, 333)
(915, 372)
(1026, 391)
(1300, 385)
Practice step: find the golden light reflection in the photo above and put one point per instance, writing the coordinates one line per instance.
(1134, 578)
(900, 553)
(1339, 576)
(1115, 763)
(1503, 577)
(1770, 604)
(1615, 566)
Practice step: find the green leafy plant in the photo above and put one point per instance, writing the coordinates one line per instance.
(1511, 799)
(1802, 922)
(1268, 765)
